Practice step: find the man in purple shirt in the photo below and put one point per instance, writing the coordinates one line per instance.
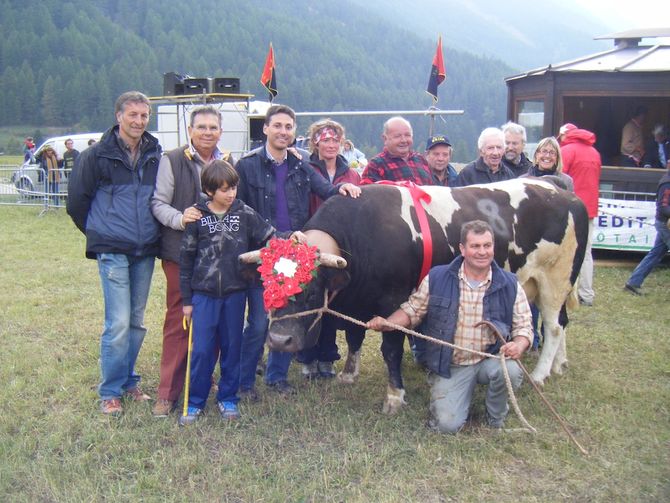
(397, 161)
(276, 182)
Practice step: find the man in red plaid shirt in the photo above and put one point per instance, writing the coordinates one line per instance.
(397, 161)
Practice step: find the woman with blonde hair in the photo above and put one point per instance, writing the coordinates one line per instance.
(51, 166)
(325, 140)
(547, 160)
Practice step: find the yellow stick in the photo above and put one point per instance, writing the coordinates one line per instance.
(187, 384)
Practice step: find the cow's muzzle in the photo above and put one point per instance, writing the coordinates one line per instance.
(286, 343)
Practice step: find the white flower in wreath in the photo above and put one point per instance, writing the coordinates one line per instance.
(286, 267)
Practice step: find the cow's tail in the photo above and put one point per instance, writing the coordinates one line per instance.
(572, 302)
(581, 225)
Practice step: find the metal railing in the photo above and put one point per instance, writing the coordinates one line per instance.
(623, 195)
(29, 185)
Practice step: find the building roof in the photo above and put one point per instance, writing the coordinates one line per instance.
(626, 56)
(636, 33)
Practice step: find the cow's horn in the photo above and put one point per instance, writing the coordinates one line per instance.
(330, 260)
(251, 257)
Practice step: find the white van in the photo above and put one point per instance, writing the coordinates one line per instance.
(29, 179)
(58, 142)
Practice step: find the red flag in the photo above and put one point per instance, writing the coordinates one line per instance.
(268, 77)
(437, 72)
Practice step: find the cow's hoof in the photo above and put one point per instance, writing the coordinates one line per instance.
(346, 378)
(559, 368)
(537, 379)
(395, 399)
(351, 368)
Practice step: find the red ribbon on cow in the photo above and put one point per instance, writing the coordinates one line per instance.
(418, 195)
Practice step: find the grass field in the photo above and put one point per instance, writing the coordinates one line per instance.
(11, 160)
(330, 443)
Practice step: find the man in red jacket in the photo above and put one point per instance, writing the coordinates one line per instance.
(582, 162)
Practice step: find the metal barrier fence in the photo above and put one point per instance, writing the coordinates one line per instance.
(32, 186)
(623, 195)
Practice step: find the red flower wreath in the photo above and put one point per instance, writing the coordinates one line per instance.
(286, 269)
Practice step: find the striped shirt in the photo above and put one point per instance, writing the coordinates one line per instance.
(471, 312)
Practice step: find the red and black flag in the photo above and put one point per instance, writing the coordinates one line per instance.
(437, 72)
(269, 77)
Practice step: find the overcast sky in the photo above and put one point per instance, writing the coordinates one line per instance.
(624, 14)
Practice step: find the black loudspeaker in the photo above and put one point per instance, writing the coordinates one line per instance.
(173, 84)
(196, 86)
(225, 85)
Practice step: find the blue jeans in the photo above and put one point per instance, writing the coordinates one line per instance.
(325, 349)
(653, 257)
(252, 345)
(125, 284)
(253, 338)
(450, 398)
(535, 313)
(217, 333)
(277, 367)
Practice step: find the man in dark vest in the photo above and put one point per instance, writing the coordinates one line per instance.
(177, 190)
(450, 301)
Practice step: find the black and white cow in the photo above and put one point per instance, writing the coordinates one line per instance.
(540, 234)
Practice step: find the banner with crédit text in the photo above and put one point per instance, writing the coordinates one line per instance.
(624, 225)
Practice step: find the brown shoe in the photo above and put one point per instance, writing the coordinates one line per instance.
(136, 395)
(111, 407)
(162, 408)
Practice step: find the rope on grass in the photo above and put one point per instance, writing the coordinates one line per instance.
(325, 309)
(512, 396)
(508, 383)
(539, 392)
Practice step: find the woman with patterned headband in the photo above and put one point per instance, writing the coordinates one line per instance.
(326, 138)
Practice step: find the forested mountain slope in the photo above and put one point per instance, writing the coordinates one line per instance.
(63, 63)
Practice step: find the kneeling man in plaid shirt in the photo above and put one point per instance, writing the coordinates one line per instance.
(450, 301)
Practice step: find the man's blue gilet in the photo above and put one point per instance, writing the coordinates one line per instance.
(442, 316)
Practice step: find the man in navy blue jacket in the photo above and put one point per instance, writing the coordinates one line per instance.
(109, 200)
(276, 181)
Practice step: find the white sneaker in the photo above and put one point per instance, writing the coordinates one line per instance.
(326, 370)
(310, 370)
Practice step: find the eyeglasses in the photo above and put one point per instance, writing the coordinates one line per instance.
(550, 152)
(201, 128)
